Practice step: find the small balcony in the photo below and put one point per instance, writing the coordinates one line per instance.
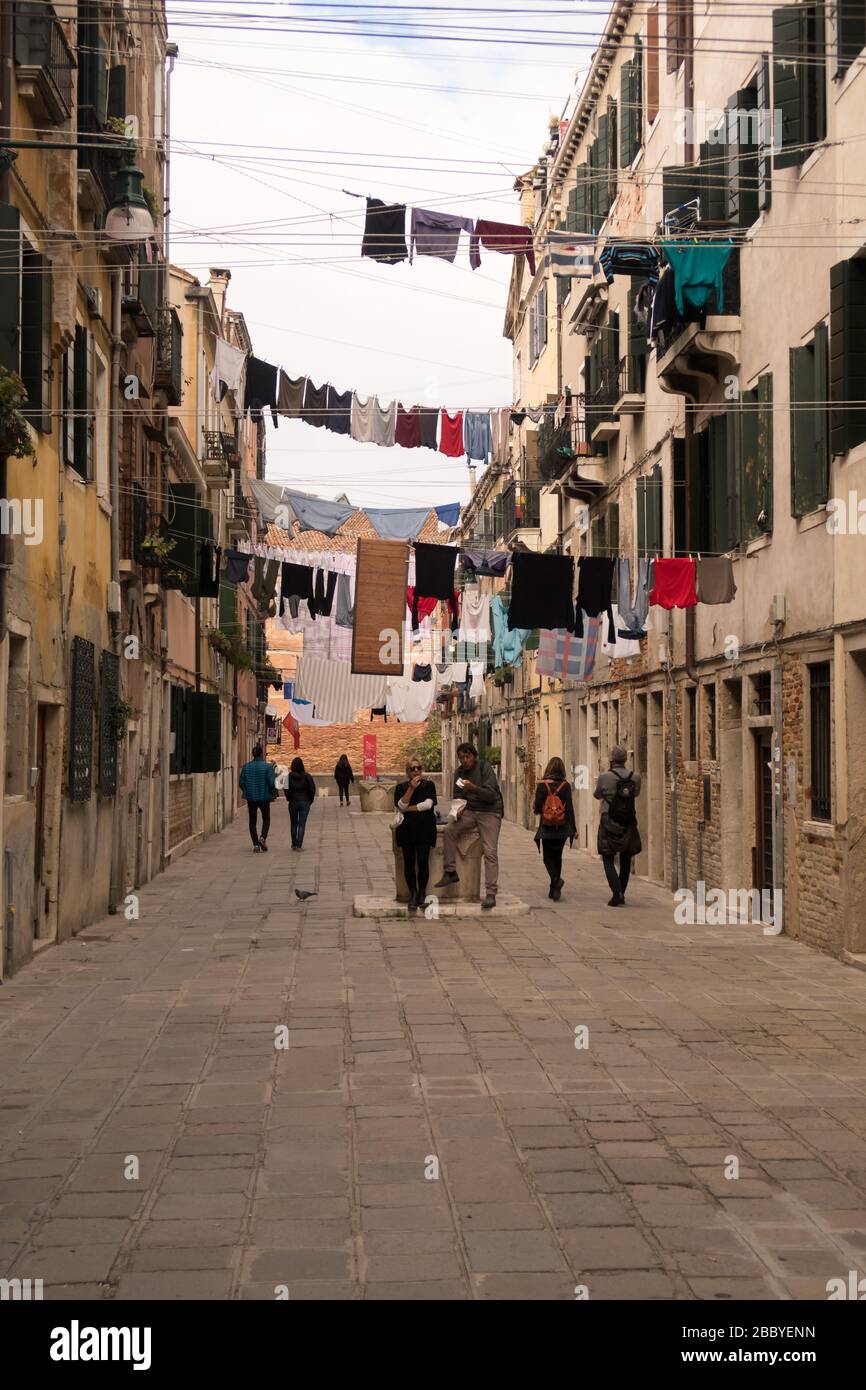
(169, 361)
(692, 354)
(141, 298)
(631, 386)
(239, 526)
(43, 63)
(602, 424)
(215, 463)
(134, 520)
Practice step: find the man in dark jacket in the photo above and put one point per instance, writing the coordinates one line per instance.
(618, 790)
(475, 783)
(257, 782)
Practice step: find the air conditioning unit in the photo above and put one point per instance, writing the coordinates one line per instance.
(94, 300)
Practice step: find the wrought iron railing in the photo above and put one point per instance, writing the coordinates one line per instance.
(41, 43)
(169, 363)
(631, 376)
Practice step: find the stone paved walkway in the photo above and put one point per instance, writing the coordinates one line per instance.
(415, 1041)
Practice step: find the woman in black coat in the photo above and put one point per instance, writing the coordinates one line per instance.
(551, 838)
(343, 775)
(300, 793)
(416, 836)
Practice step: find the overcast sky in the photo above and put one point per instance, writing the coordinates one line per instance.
(269, 127)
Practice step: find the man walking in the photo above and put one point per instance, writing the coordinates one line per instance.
(617, 790)
(475, 783)
(258, 783)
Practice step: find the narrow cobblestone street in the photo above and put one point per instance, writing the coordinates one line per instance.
(260, 1167)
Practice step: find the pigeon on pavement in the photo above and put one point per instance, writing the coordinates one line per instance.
(303, 894)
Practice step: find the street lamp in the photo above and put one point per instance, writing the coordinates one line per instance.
(129, 218)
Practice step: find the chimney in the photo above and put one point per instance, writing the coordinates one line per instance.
(218, 286)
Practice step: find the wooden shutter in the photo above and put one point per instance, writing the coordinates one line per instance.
(81, 719)
(611, 521)
(571, 214)
(765, 133)
(612, 150)
(582, 217)
(641, 508)
(181, 526)
(82, 404)
(850, 32)
(847, 354)
(67, 405)
(654, 511)
(678, 458)
(116, 92)
(822, 412)
(675, 29)
(10, 287)
(809, 424)
(742, 158)
(789, 78)
(637, 339)
(652, 63)
(601, 185)
(816, 75)
(611, 348)
(680, 184)
(756, 460)
(627, 150)
(35, 291)
(205, 728)
(718, 538)
(710, 181)
(592, 198)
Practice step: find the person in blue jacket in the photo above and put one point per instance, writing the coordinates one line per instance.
(258, 785)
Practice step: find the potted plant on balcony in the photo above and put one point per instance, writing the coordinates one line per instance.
(119, 716)
(15, 441)
(231, 646)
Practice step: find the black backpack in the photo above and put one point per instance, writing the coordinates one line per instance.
(622, 808)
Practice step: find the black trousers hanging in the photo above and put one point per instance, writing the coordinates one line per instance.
(324, 585)
(416, 883)
(618, 882)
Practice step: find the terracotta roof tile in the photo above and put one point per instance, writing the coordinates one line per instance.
(346, 538)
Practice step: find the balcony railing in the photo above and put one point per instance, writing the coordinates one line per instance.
(731, 306)
(631, 377)
(43, 60)
(169, 363)
(134, 521)
(601, 401)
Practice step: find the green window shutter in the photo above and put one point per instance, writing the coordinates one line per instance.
(592, 199)
(847, 354)
(655, 497)
(116, 92)
(799, 80)
(595, 535)
(612, 150)
(150, 281)
(637, 95)
(582, 208)
(850, 32)
(67, 403)
(626, 99)
(563, 286)
(816, 74)
(180, 526)
(571, 214)
(602, 170)
(36, 337)
(765, 134)
(610, 341)
(205, 724)
(822, 413)
(710, 181)
(612, 528)
(81, 702)
(678, 452)
(765, 446)
(680, 184)
(809, 425)
(640, 511)
(10, 287)
(82, 460)
(742, 158)
(756, 460)
(715, 484)
(228, 608)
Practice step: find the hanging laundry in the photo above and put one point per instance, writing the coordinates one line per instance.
(408, 429)
(381, 579)
(303, 713)
(397, 523)
(517, 417)
(633, 612)
(434, 570)
(630, 258)
(338, 411)
(500, 424)
(425, 606)
(493, 563)
(643, 303)
(715, 580)
(534, 413)
(324, 586)
(594, 583)
(315, 405)
(697, 272)
(315, 514)
(664, 307)
(317, 635)
(340, 643)
(474, 619)
(422, 672)
(385, 232)
(448, 514)
(435, 233)
(476, 679)
(508, 643)
(451, 434)
(228, 368)
(410, 701)
(570, 255)
(674, 584)
(429, 426)
(261, 389)
(683, 217)
(344, 616)
(542, 589)
(237, 567)
(209, 571)
(503, 237)
(566, 656)
(297, 618)
(335, 691)
(614, 645)
(264, 585)
(373, 423)
(296, 582)
(291, 726)
(290, 395)
(477, 434)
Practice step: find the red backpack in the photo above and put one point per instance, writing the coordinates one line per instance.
(553, 810)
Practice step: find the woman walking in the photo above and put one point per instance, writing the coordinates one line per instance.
(555, 810)
(415, 799)
(617, 790)
(343, 775)
(300, 794)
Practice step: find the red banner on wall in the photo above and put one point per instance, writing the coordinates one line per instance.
(369, 755)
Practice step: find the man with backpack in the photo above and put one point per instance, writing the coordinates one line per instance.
(555, 810)
(618, 790)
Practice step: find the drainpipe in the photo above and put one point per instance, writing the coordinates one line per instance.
(171, 54)
(115, 890)
(5, 190)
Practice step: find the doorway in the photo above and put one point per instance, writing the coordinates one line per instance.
(762, 869)
(46, 796)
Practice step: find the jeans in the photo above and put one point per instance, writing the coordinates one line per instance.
(416, 883)
(298, 812)
(488, 824)
(551, 853)
(253, 807)
(620, 883)
(344, 791)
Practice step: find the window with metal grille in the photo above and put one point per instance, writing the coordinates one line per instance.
(81, 719)
(763, 688)
(692, 723)
(819, 730)
(109, 693)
